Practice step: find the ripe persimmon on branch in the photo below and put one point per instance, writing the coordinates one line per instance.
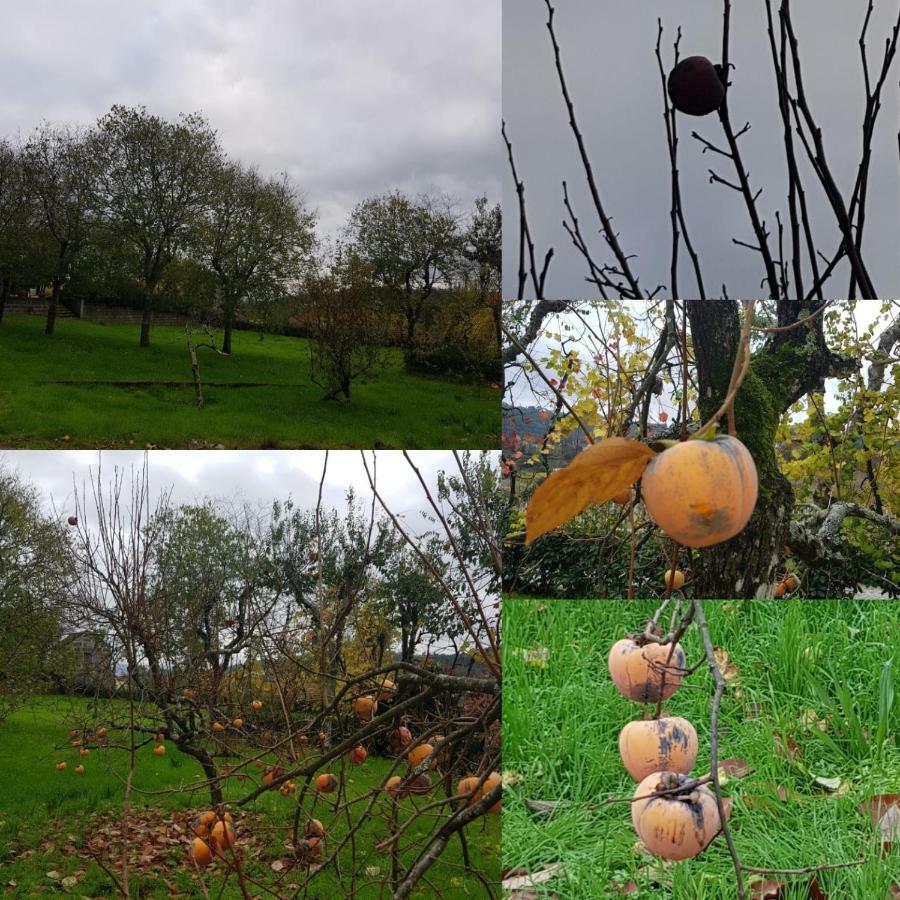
(347, 661)
(726, 365)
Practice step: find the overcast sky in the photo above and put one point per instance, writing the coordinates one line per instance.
(350, 98)
(608, 56)
(251, 476)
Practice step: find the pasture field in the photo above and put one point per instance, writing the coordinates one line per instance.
(810, 710)
(58, 829)
(93, 383)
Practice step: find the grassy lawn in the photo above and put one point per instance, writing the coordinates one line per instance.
(389, 409)
(809, 670)
(47, 817)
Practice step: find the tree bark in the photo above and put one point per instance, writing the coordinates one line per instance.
(147, 318)
(229, 326)
(54, 302)
(785, 368)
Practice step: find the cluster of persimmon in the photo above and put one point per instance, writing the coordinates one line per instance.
(214, 835)
(786, 585)
(309, 848)
(674, 818)
(468, 787)
(78, 743)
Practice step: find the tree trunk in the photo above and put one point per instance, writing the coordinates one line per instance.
(229, 325)
(4, 293)
(54, 301)
(209, 769)
(147, 318)
(783, 370)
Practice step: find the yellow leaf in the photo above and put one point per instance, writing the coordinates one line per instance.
(596, 475)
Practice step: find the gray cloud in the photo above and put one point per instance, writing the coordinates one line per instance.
(608, 56)
(242, 476)
(350, 98)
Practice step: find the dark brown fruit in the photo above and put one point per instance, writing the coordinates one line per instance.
(695, 87)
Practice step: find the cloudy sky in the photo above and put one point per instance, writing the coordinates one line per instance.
(608, 56)
(254, 477)
(350, 98)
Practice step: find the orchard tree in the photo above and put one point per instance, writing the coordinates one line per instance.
(34, 577)
(155, 185)
(483, 249)
(411, 246)
(257, 235)
(17, 220)
(60, 173)
(322, 563)
(178, 592)
(347, 327)
(411, 600)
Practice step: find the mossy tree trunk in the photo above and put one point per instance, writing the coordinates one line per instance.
(785, 368)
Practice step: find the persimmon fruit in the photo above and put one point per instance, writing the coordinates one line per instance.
(159, 751)
(314, 828)
(83, 751)
(791, 583)
(238, 723)
(61, 766)
(256, 705)
(79, 769)
(421, 784)
(695, 86)
(218, 726)
(222, 837)
(668, 744)
(674, 826)
(357, 755)
(701, 492)
(387, 690)
(326, 783)
(72, 520)
(674, 579)
(466, 787)
(200, 852)
(779, 589)
(419, 754)
(365, 708)
(489, 784)
(637, 670)
(392, 786)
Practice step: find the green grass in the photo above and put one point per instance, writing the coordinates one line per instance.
(390, 408)
(44, 818)
(561, 726)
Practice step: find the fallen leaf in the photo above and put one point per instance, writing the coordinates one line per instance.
(767, 889)
(736, 768)
(541, 876)
(810, 721)
(596, 475)
(537, 657)
(786, 746)
(837, 786)
(278, 866)
(816, 892)
(728, 669)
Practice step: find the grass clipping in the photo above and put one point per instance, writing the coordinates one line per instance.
(596, 475)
